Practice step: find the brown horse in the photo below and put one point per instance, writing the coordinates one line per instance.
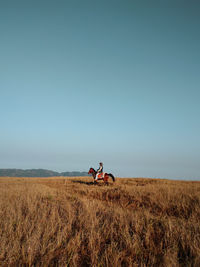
(103, 177)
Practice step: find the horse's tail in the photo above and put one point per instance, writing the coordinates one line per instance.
(112, 176)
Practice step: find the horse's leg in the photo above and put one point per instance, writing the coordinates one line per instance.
(95, 182)
(106, 179)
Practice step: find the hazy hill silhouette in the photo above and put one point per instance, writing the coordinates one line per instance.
(37, 173)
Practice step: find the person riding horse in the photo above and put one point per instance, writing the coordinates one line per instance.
(99, 171)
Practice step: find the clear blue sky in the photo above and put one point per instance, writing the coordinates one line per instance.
(111, 81)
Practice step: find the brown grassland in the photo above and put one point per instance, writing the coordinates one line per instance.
(63, 221)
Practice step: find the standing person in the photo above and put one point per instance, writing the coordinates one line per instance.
(99, 171)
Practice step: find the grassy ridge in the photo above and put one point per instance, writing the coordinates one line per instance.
(71, 222)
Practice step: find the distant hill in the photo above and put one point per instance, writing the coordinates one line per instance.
(37, 173)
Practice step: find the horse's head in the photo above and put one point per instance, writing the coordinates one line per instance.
(91, 171)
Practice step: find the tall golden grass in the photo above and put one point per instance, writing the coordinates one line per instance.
(71, 222)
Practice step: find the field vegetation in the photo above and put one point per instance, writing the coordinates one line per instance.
(63, 221)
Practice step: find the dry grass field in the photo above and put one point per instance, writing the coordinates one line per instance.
(71, 222)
